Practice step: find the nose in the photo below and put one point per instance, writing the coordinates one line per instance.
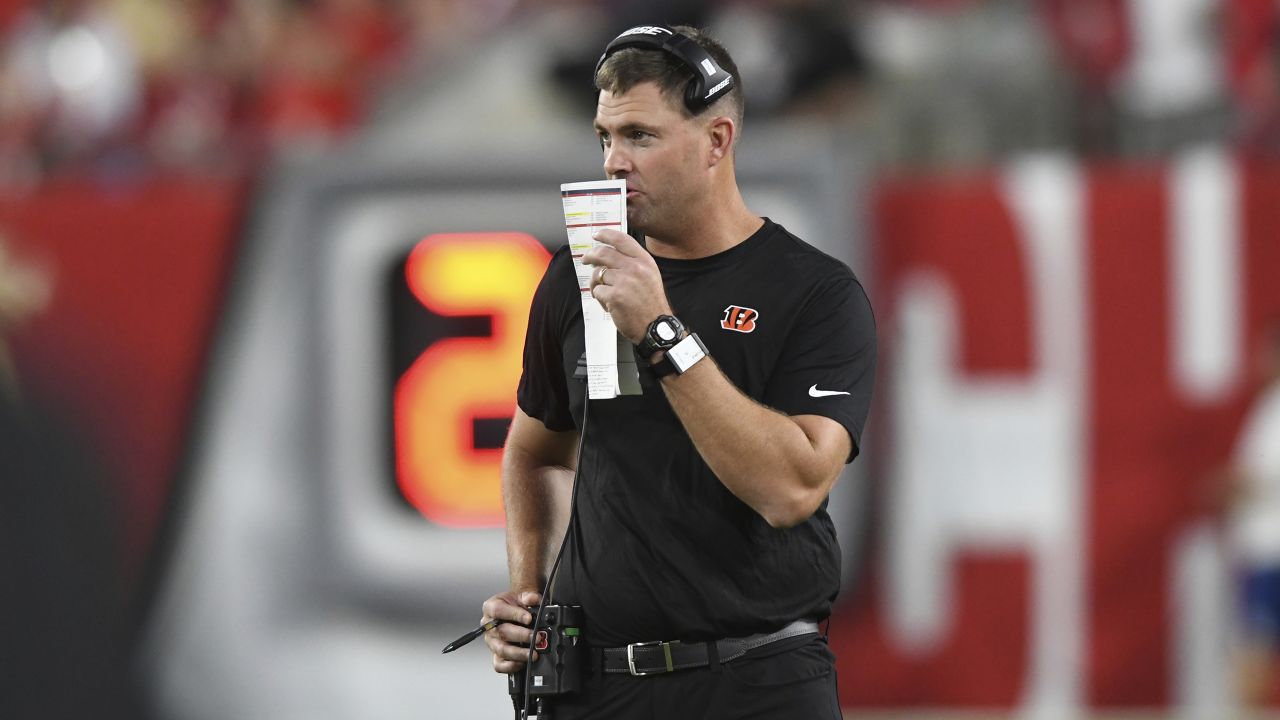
(617, 163)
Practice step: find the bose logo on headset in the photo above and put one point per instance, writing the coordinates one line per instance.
(701, 93)
(647, 30)
(720, 87)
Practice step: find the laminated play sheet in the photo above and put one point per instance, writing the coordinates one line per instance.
(588, 207)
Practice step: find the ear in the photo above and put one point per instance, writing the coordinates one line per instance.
(721, 131)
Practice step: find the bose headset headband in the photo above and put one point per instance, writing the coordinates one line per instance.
(710, 81)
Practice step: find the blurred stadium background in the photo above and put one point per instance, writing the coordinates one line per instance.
(264, 266)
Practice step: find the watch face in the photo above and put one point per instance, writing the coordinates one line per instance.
(686, 353)
(665, 332)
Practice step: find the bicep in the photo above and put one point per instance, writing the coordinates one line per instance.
(531, 444)
(827, 365)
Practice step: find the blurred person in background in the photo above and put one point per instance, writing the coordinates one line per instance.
(198, 59)
(64, 651)
(327, 57)
(802, 56)
(71, 90)
(701, 517)
(193, 86)
(1252, 492)
(969, 82)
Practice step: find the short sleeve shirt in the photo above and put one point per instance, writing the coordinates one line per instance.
(661, 549)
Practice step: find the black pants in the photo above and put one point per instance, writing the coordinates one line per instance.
(796, 682)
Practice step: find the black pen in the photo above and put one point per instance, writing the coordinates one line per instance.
(471, 635)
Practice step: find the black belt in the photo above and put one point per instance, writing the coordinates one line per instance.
(659, 657)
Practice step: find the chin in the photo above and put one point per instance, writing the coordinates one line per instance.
(636, 222)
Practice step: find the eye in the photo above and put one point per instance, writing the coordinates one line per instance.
(639, 135)
(604, 140)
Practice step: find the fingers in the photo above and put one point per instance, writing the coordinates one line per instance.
(628, 283)
(511, 659)
(509, 642)
(619, 241)
(510, 647)
(603, 294)
(604, 256)
(600, 277)
(508, 608)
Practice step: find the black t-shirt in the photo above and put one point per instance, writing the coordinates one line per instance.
(661, 550)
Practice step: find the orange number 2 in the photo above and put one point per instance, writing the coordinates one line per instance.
(457, 380)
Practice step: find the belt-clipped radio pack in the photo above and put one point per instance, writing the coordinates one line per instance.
(562, 654)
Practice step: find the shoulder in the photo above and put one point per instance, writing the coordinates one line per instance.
(560, 275)
(561, 254)
(556, 297)
(560, 258)
(823, 274)
(804, 257)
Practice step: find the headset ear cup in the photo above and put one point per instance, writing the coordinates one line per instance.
(693, 95)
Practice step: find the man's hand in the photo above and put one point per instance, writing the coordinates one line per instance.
(627, 283)
(509, 642)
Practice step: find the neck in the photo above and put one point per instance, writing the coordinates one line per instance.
(715, 226)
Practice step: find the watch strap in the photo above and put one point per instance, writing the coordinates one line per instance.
(663, 368)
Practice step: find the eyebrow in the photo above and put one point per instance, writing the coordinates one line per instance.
(627, 128)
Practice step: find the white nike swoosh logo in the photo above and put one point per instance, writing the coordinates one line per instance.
(815, 392)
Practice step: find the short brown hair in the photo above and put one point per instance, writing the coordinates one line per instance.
(632, 66)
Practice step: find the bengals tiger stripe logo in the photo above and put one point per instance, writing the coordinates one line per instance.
(739, 319)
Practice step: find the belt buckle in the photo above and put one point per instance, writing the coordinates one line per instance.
(631, 658)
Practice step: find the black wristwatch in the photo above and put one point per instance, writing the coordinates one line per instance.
(663, 334)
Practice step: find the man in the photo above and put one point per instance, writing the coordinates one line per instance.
(701, 506)
(1253, 484)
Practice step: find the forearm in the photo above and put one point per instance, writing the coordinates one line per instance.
(782, 466)
(762, 456)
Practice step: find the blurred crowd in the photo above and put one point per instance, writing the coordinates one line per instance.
(207, 86)
(962, 82)
(114, 87)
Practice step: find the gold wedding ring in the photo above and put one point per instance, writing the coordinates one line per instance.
(602, 272)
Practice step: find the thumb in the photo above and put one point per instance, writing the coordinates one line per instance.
(530, 598)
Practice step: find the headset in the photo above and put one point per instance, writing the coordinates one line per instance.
(710, 81)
